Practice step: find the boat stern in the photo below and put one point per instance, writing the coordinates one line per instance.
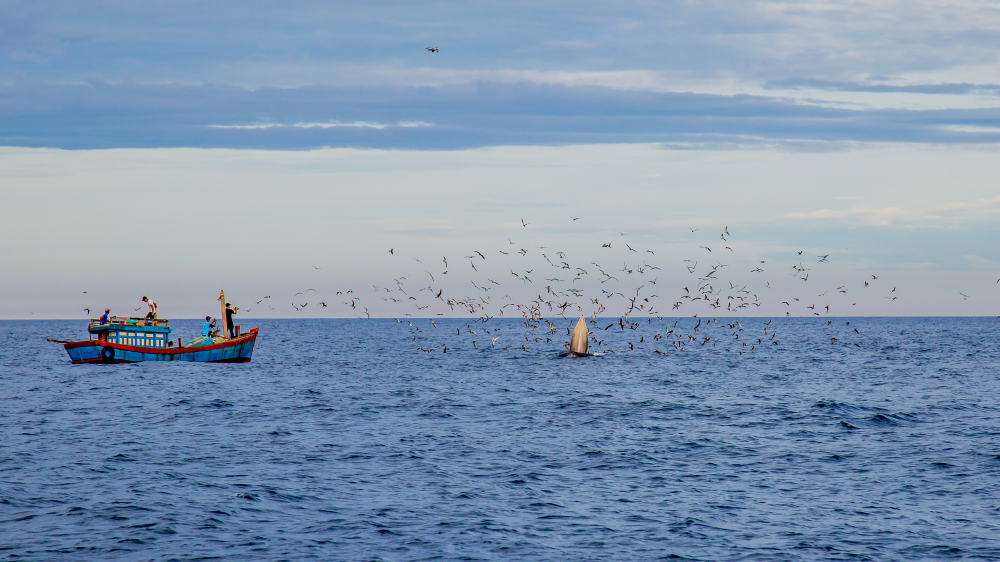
(88, 351)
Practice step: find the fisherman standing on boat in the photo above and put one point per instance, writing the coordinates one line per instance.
(106, 317)
(229, 319)
(151, 315)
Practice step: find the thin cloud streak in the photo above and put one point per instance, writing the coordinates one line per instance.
(952, 215)
(356, 124)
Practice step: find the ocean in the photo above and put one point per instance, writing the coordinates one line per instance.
(821, 439)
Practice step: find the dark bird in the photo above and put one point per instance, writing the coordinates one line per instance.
(602, 245)
(524, 223)
(432, 49)
(323, 303)
(390, 251)
(88, 310)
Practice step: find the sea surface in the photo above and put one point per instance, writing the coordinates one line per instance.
(344, 441)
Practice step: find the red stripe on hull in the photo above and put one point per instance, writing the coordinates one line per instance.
(99, 360)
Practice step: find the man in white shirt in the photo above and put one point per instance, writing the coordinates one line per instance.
(151, 315)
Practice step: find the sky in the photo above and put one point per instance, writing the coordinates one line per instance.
(178, 148)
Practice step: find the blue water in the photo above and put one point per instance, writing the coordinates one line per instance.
(343, 441)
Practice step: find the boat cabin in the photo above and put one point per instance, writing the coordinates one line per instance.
(138, 332)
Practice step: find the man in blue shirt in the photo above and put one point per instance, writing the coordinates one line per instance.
(106, 318)
(206, 330)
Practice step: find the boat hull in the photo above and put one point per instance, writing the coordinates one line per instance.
(235, 350)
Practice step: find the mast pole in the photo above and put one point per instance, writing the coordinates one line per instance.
(222, 299)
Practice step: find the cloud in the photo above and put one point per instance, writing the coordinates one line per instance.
(948, 215)
(973, 129)
(281, 44)
(840, 86)
(458, 116)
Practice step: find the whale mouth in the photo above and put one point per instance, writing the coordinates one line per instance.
(578, 343)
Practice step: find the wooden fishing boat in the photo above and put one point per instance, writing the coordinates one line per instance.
(130, 340)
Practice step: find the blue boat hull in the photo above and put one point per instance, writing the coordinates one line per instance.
(236, 350)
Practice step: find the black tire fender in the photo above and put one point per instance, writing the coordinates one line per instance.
(108, 354)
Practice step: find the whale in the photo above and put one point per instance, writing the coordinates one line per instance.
(578, 341)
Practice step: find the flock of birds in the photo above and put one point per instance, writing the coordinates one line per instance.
(620, 286)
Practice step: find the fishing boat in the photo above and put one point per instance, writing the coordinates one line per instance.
(130, 340)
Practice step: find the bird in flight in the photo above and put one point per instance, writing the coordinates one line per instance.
(575, 218)
(432, 49)
(391, 251)
(524, 223)
(88, 310)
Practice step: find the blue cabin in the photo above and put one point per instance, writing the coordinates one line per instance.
(138, 332)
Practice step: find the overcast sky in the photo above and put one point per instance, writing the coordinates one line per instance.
(178, 148)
